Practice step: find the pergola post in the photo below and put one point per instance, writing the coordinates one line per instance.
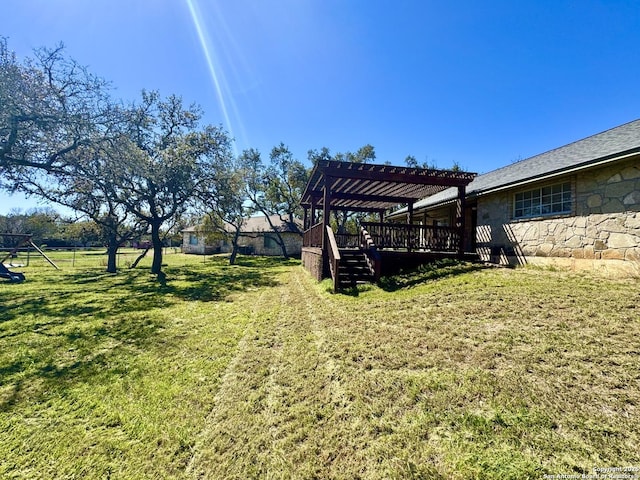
(305, 219)
(460, 218)
(326, 210)
(381, 213)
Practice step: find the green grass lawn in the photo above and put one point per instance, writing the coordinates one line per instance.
(256, 371)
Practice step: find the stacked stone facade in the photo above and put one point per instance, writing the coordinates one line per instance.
(255, 243)
(249, 243)
(602, 232)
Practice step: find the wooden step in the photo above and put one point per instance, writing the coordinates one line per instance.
(354, 269)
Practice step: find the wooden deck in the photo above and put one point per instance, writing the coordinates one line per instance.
(379, 249)
(376, 189)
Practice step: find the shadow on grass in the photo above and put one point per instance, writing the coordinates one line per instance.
(353, 291)
(64, 328)
(196, 282)
(428, 272)
(98, 294)
(59, 355)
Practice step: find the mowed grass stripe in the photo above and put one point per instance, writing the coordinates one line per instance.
(273, 397)
(497, 374)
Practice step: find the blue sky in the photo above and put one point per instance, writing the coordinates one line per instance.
(478, 83)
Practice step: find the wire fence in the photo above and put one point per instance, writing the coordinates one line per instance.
(74, 257)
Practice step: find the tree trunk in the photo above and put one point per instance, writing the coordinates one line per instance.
(275, 230)
(112, 254)
(140, 257)
(234, 246)
(282, 246)
(156, 242)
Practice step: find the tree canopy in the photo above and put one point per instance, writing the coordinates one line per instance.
(50, 107)
(163, 159)
(275, 188)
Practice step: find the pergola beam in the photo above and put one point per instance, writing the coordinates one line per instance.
(377, 186)
(346, 208)
(394, 200)
(408, 176)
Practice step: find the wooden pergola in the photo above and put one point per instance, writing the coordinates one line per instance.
(359, 187)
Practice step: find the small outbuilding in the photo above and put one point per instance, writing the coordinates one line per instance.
(257, 237)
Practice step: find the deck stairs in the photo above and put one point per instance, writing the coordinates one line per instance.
(353, 269)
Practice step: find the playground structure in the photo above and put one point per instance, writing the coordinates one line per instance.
(10, 275)
(19, 242)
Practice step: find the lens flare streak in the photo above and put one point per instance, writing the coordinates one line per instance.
(216, 77)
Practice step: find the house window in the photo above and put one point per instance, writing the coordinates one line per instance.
(269, 242)
(193, 239)
(550, 200)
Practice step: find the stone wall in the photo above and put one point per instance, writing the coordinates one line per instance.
(292, 242)
(606, 224)
(188, 247)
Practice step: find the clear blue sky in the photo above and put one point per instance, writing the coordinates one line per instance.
(478, 83)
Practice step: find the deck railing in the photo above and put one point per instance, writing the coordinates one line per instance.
(399, 236)
(348, 240)
(312, 237)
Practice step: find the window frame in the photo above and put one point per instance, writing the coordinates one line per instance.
(549, 200)
(269, 242)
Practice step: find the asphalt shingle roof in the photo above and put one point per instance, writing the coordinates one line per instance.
(257, 225)
(583, 153)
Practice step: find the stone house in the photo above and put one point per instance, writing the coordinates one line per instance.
(577, 206)
(257, 237)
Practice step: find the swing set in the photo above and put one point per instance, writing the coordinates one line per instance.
(20, 241)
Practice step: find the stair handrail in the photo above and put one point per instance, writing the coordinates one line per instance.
(334, 258)
(372, 255)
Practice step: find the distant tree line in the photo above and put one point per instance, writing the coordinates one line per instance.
(47, 228)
